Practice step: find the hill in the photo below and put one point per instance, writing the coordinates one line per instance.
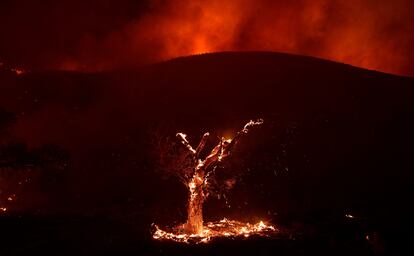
(336, 140)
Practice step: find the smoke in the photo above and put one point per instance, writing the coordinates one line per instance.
(370, 34)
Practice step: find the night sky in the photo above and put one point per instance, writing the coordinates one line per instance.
(101, 35)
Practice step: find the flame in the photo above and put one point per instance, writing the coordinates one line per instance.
(252, 123)
(212, 230)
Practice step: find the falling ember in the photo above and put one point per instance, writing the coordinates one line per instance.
(196, 181)
(222, 228)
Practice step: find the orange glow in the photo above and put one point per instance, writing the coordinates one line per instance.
(354, 32)
(222, 228)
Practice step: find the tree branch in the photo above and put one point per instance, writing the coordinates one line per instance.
(201, 145)
(185, 142)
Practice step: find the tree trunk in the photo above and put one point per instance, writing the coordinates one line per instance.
(195, 204)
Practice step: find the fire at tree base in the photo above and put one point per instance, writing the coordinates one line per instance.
(212, 230)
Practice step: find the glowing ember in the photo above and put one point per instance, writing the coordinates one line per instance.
(18, 71)
(196, 181)
(223, 228)
(15, 70)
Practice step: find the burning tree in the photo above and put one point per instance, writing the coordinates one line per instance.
(194, 171)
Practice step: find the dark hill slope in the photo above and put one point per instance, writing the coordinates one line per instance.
(343, 135)
(336, 138)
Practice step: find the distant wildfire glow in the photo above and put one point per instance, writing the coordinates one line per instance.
(361, 33)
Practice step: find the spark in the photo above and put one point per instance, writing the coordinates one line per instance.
(251, 124)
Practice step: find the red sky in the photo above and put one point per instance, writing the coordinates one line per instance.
(107, 34)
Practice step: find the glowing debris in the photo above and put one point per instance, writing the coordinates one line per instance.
(223, 228)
